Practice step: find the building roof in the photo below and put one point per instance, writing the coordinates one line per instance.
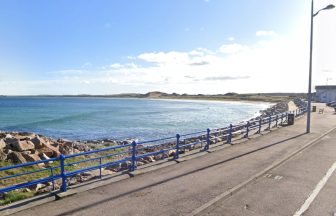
(329, 87)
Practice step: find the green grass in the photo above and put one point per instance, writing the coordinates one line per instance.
(21, 179)
(47, 173)
(16, 196)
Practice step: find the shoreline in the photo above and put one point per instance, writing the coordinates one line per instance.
(247, 97)
(129, 139)
(23, 147)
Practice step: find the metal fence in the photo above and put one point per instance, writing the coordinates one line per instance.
(130, 155)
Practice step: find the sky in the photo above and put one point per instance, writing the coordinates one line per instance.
(182, 46)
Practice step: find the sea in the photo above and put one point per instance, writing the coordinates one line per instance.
(95, 118)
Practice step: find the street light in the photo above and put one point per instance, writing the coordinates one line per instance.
(310, 59)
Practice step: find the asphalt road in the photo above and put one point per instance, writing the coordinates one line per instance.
(181, 188)
(284, 190)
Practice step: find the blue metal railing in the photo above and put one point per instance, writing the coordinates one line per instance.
(131, 154)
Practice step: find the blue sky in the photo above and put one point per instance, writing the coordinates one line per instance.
(102, 47)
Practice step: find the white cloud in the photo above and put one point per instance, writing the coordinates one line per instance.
(116, 66)
(274, 64)
(232, 48)
(266, 33)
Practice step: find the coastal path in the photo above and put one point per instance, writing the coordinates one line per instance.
(276, 173)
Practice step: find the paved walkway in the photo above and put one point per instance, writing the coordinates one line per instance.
(181, 188)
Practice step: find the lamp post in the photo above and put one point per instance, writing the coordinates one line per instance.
(310, 59)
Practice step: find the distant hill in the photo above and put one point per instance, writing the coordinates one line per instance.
(230, 96)
(155, 94)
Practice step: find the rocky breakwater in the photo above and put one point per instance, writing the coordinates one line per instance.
(22, 147)
(278, 108)
(300, 103)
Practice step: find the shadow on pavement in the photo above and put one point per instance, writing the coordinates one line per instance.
(82, 208)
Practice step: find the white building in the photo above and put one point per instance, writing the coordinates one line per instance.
(325, 93)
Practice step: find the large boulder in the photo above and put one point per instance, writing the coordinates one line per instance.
(9, 136)
(49, 150)
(2, 144)
(23, 145)
(46, 151)
(17, 157)
(38, 142)
(3, 156)
(45, 157)
(31, 157)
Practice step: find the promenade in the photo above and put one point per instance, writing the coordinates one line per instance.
(281, 172)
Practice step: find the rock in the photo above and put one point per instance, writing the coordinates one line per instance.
(126, 142)
(114, 167)
(218, 139)
(38, 142)
(149, 158)
(81, 147)
(24, 145)
(68, 144)
(56, 145)
(10, 141)
(49, 150)
(16, 157)
(71, 180)
(9, 136)
(54, 149)
(140, 163)
(3, 156)
(7, 151)
(46, 189)
(44, 156)
(125, 165)
(2, 144)
(27, 134)
(142, 160)
(171, 153)
(46, 151)
(160, 156)
(25, 190)
(37, 187)
(32, 157)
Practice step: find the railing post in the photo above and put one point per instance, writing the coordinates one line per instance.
(208, 140)
(100, 168)
(176, 156)
(269, 122)
(282, 118)
(229, 135)
(260, 121)
(53, 180)
(133, 165)
(276, 121)
(63, 186)
(247, 129)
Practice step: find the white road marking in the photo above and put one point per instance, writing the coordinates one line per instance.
(268, 175)
(278, 177)
(316, 191)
